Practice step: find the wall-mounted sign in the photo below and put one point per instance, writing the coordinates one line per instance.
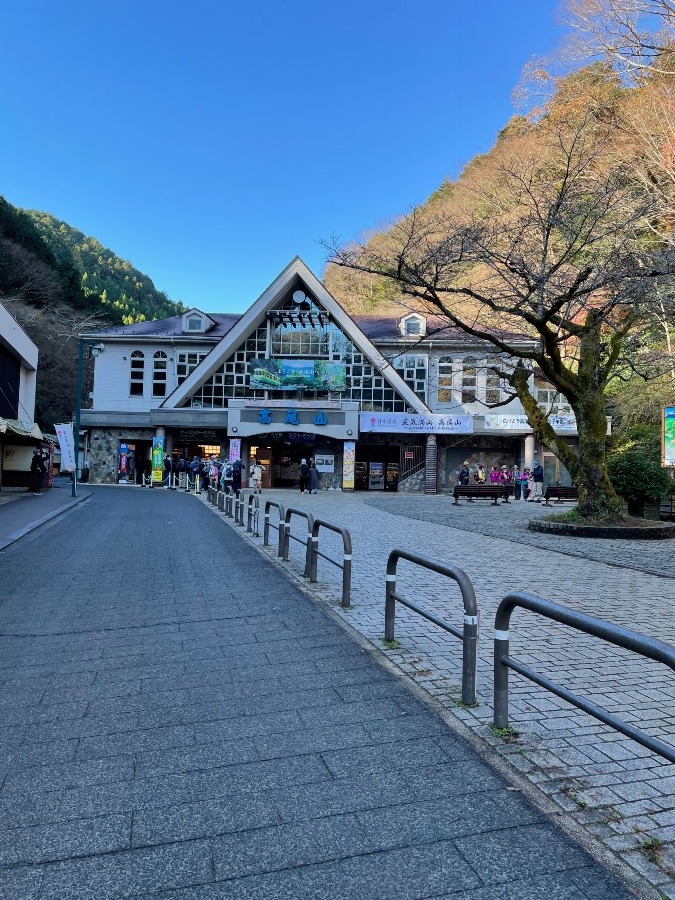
(668, 426)
(519, 423)
(325, 462)
(197, 435)
(348, 458)
(414, 423)
(288, 417)
(507, 423)
(235, 449)
(291, 374)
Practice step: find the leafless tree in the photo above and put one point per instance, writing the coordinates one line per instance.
(548, 241)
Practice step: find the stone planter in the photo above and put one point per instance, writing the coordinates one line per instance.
(615, 532)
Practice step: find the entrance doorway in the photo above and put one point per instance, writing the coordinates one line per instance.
(281, 458)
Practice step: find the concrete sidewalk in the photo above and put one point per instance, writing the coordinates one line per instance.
(22, 512)
(179, 720)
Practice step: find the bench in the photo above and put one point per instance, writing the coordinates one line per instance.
(569, 494)
(473, 492)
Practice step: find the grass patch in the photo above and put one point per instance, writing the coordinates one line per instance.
(570, 792)
(390, 645)
(652, 849)
(506, 734)
(573, 517)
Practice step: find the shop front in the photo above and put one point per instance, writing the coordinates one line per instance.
(280, 434)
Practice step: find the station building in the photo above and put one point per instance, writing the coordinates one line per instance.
(380, 402)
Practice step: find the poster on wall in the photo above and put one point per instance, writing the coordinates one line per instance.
(235, 449)
(668, 435)
(325, 462)
(348, 465)
(157, 460)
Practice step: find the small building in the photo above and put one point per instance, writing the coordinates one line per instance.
(19, 435)
(379, 402)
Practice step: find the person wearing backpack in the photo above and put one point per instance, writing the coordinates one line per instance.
(227, 475)
(236, 475)
(256, 475)
(304, 476)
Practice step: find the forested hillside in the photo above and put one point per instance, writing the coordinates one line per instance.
(57, 283)
(122, 289)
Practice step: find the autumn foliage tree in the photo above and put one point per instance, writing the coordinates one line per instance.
(549, 238)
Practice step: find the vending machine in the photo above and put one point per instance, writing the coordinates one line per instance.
(376, 476)
(392, 478)
(360, 476)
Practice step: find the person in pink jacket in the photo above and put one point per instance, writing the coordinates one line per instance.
(494, 475)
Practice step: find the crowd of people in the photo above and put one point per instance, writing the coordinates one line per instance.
(527, 484)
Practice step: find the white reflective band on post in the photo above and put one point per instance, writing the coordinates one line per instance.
(315, 539)
(471, 620)
(347, 556)
(390, 578)
(501, 635)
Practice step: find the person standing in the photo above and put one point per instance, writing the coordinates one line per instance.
(464, 474)
(304, 475)
(515, 477)
(38, 470)
(525, 483)
(256, 474)
(537, 481)
(314, 478)
(236, 475)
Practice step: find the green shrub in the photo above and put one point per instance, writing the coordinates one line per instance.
(637, 474)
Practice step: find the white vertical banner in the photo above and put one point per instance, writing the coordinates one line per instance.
(65, 435)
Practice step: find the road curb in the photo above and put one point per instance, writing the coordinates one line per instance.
(22, 532)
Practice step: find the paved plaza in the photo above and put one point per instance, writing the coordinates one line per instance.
(615, 789)
(180, 720)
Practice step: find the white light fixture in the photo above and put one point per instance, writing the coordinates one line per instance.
(96, 349)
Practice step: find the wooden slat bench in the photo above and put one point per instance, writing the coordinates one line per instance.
(472, 492)
(569, 494)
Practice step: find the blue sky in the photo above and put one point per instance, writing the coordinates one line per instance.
(209, 143)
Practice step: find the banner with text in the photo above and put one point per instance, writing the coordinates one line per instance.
(157, 460)
(65, 435)
(413, 423)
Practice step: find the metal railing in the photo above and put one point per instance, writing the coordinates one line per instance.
(345, 565)
(239, 506)
(281, 527)
(468, 634)
(252, 521)
(288, 537)
(606, 631)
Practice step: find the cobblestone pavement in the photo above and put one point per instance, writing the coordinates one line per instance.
(618, 791)
(180, 721)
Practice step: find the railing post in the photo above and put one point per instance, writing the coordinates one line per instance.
(346, 569)
(314, 554)
(501, 671)
(390, 601)
(308, 553)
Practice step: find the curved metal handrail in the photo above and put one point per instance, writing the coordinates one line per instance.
(280, 527)
(346, 564)
(291, 511)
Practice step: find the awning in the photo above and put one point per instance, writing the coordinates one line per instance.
(25, 429)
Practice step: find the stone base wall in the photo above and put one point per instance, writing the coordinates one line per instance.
(104, 449)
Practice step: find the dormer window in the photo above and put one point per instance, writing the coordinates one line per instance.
(196, 322)
(413, 326)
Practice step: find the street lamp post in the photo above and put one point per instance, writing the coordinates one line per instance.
(96, 348)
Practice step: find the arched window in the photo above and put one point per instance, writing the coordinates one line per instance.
(159, 368)
(445, 379)
(469, 380)
(136, 374)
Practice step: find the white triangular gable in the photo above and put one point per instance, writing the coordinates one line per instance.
(257, 315)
